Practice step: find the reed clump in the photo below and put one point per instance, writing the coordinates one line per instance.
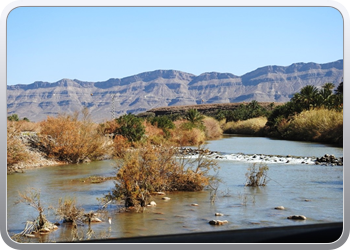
(257, 175)
(253, 126)
(320, 125)
(68, 211)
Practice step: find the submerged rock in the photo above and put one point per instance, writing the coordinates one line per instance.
(92, 217)
(218, 222)
(219, 214)
(158, 193)
(44, 229)
(95, 219)
(296, 217)
(152, 204)
(329, 160)
(30, 235)
(280, 208)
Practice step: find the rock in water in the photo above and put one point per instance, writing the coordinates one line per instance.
(296, 217)
(280, 208)
(152, 203)
(219, 214)
(218, 222)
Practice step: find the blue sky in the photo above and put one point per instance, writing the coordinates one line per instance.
(98, 43)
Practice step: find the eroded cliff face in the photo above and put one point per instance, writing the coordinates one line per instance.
(162, 88)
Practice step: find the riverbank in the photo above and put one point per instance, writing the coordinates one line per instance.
(35, 157)
(34, 160)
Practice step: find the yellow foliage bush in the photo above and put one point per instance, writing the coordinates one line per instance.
(212, 128)
(120, 146)
(69, 139)
(153, 169)
(16, 150)
(154, 134)
(186, 137)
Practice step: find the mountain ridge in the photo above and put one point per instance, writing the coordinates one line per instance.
(161, 88)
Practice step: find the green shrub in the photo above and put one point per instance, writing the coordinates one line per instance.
(131, 127)
(244, 112)
(164, 123)
(13, 117)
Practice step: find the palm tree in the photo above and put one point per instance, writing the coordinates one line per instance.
(307, 97)
(254, 105)
(325, 98)
(338, 97)
(339, 90)
(328, 86)
(194, 116)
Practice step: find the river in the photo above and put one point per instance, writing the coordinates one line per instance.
(303, 188)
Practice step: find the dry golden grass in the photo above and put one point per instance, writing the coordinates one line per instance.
(320, 125)
(212, 128)
(252, 126)
(257, 175)
(28, 126)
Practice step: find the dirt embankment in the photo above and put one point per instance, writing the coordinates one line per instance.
(207, 109)
(35, 157)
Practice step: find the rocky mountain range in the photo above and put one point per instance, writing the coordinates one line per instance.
(161, 88)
